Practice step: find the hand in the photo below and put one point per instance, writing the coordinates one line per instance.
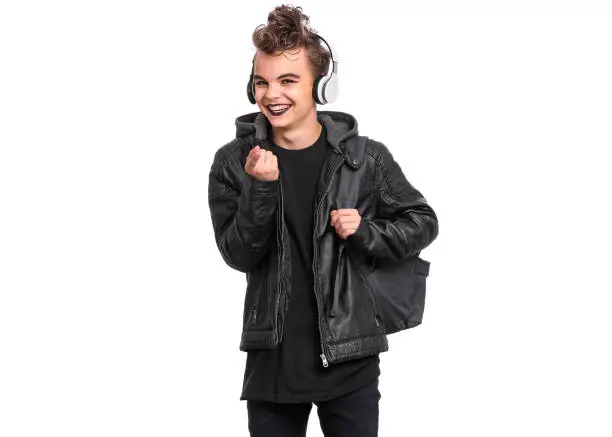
(262, 164)
(345, 221)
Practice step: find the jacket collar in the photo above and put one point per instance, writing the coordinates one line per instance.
(338, 125)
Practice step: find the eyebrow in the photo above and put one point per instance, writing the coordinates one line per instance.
(282, 76)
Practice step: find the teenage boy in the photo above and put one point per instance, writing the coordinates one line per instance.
(310, 330)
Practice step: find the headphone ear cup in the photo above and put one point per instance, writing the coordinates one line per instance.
(250, 93)
(330, 89)
(325, 89)
(250, 88)
(316, 93)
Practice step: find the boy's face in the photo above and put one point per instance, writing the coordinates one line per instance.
(284, 79)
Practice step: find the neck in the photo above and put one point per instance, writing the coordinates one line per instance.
(298, 137)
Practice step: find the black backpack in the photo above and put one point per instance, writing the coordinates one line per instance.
(398, 288)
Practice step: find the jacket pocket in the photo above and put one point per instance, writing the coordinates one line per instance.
(256, 281)
(364, 277)
(352, 311)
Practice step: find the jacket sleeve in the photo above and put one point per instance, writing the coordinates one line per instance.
(243, 219)
(404, 223)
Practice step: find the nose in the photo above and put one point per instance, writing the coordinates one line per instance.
(272, 91)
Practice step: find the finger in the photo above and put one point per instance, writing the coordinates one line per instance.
(348, 222)
(341, 230)
(347, 232)
(345, 211)
(343, 227)
(258, 160)
(254, 151)
(342, 213)
(248, 165)
(345, 219)
(349, 217)
(252, 158)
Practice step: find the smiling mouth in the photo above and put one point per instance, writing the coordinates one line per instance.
(278, 109)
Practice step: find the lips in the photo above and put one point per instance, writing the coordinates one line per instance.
(277, 110)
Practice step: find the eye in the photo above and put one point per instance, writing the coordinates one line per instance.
(284, 82)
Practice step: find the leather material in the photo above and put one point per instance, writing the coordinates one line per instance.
(250, 233)
(398, 286)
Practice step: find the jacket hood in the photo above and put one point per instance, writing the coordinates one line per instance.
(339, 126)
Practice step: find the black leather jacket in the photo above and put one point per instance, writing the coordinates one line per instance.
(250, 232)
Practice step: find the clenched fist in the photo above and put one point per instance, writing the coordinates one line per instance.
(262, 164)
(345, 221)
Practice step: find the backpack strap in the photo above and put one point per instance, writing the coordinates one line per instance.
(351, 172)
(355, 151)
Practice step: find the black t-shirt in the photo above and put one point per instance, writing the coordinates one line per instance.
(294, 372)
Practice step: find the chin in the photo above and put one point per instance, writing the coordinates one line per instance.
(279, 122)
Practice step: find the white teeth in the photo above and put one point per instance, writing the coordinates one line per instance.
(278, 107)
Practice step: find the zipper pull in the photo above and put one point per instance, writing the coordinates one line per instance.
(325, 363)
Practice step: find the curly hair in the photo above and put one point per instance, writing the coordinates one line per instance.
(287, 30)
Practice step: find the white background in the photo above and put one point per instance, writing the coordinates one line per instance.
(118, 316)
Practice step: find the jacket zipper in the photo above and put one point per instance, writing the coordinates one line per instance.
(322, 193)
(281, 249)
(279, 245)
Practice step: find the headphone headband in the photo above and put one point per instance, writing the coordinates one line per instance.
(332, 68)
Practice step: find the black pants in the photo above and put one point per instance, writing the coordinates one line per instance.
(352, 415)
